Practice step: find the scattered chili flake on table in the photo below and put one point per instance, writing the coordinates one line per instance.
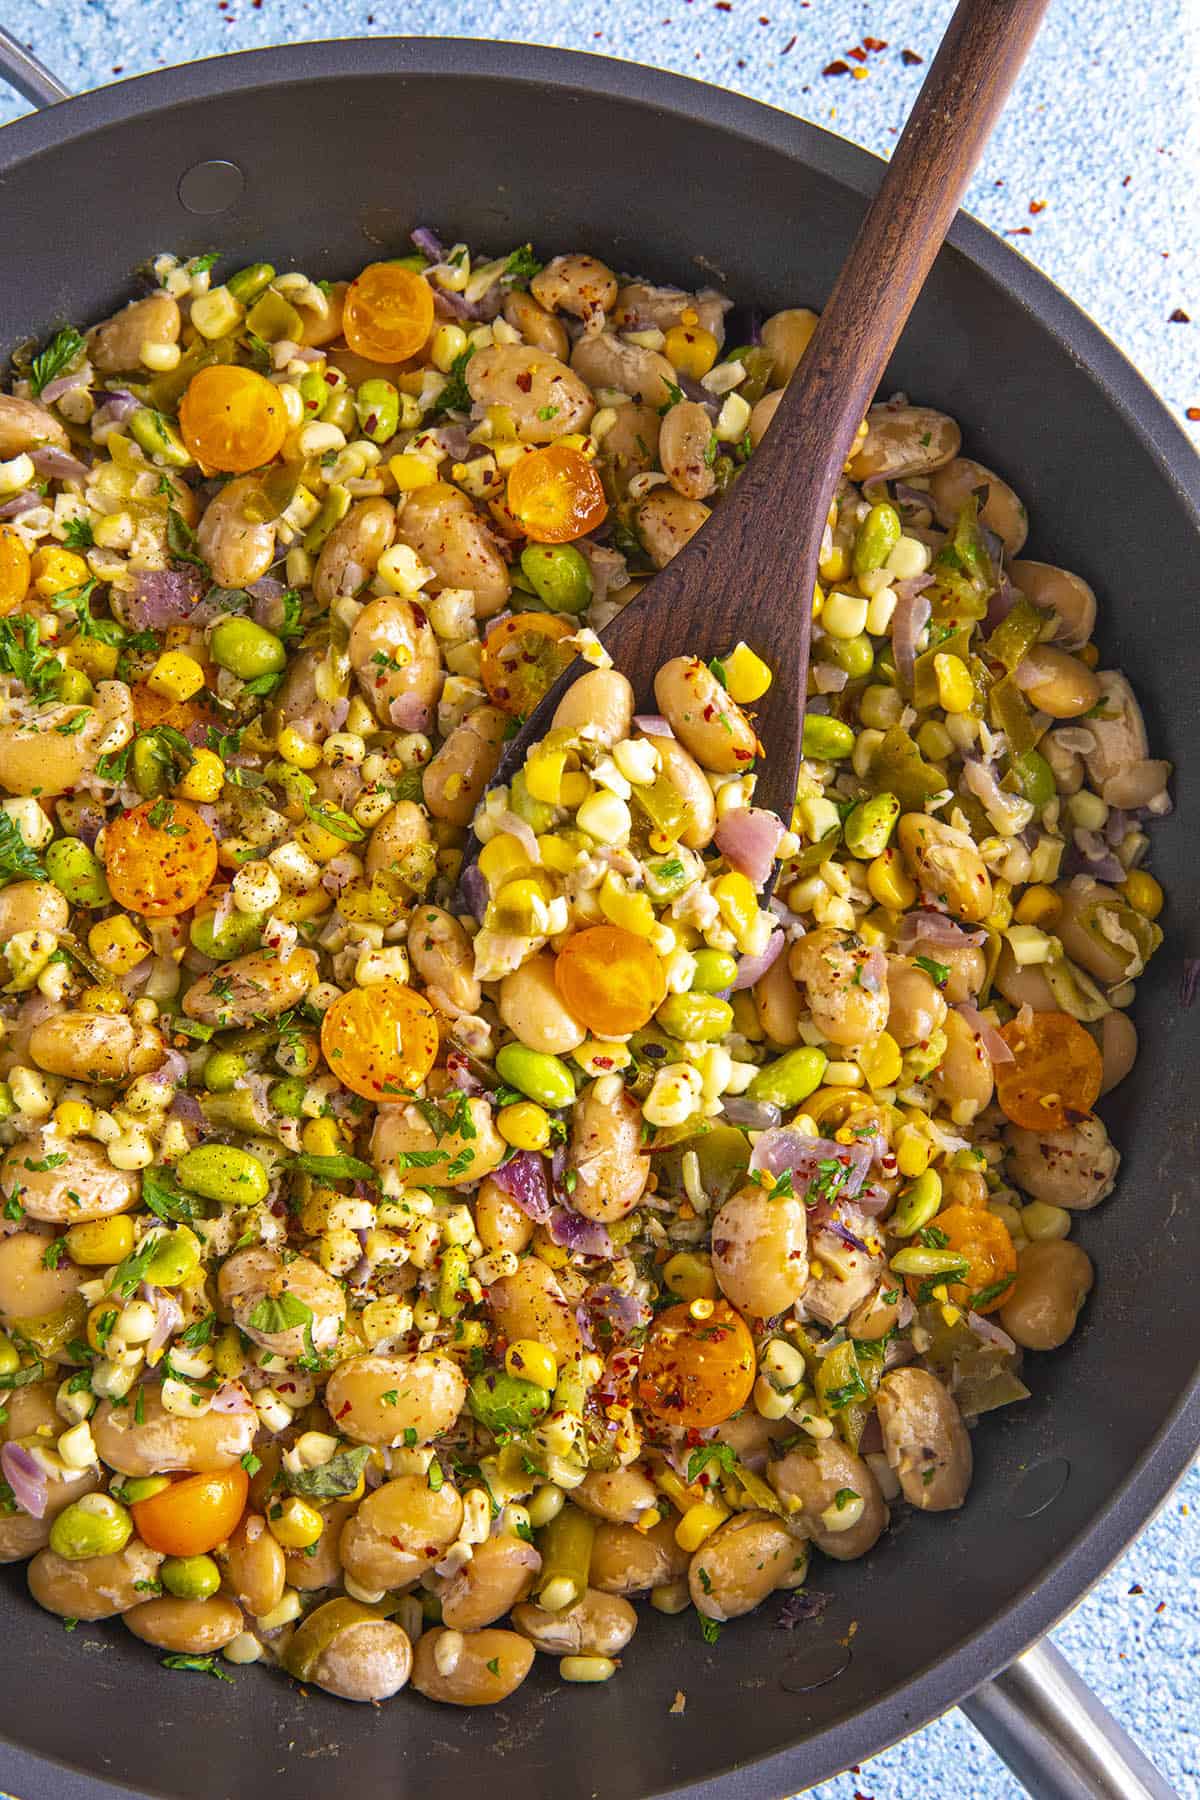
(1193, 412)
(679, 1702)
(1179, 317)
(1137, 1588)
(910, 59)
(834, 68)
(1020, 231)
(870, 43)
(1036, 207)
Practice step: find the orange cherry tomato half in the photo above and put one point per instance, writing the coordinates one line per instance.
(556, 494)
(160, 858)
(523, 657)
(388, 313)
(982, 1240)
(697, 1371)
(194, 1515)
(151, 709)
(14, 570)
(381, 1041)
(612, 980)
(232, 419)
(1055, 1074)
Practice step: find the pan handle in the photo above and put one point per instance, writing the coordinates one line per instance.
(30, 77)
(1055, 1736)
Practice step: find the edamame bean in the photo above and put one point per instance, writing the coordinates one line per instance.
(505, 1402)
(917, 1205)
(790, 1080)
(715, 971)
(826, 739)
(696, 1018)
(540, 1077)
(223, 1070)
(559, 576)
(377, 404)
(854, 655)
(287, 1096)
(190, 1577)
(248, 283)
(223, 1172)
(246, 649)
(235, 933)
(96, 1525)
(877, 537)
(870, 825)
(77, 872)
(1035, 776)
(176, 1258)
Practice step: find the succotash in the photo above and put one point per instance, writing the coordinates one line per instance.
(375, 1227)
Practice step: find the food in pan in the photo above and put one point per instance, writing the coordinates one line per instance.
(408, 1265)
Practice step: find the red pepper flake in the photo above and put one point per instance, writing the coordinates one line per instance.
(1179, 317)
(1127, 180)
(910, 59)
(1137, 1588)
(1020, 231)
(791, 45)
(874, 43)
(1193, 412)
(860, 56)
(1036, 207)
(833, 68)
(722, 6)
(1161, 1607)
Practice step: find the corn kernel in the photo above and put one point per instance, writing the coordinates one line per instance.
(98, 661)
(204, 780)
(229, 1358)
(835, 566)
(557, 855)
(410, 471)
(176, 676)
(524, 1125)
(1143, 893)
(100, 1242)
(747, 676)
(606, 818)
(294, 1523)
(72, 1118)
(532, 1361)
(117, 944)
(321, 1137)
(913, 1152)
(738, 902)
(956, 690)
(503, 858)
(54, 570)
(889, 882)
(1039, 906)
(297, 750)
(698, 1524)
(691, 1276)
(1000, 917)
(880, 1061)
(844, 615)
(449, 342)
(818, 605)
(692, 350)
(631, 911)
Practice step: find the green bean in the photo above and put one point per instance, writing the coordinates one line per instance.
(96, 1525)
(917, 1205)
(559, 576)
(877, 537)
(826, 739)
(77, 872)
(566, 1548)
(377, 404)
(246, 649)
(543, 1078)
(696, 1018)
(791, 1079)
(869, 826)
(223, 1172)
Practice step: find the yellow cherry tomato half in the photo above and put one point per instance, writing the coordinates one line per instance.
(611, 980)
(697, 1371)
(381, 1040)
(556, 495)
(388, 313)
(1055, 1075)
(982, 1240)
(160, 858)
(14, 570)
(194, 1515)
(523, 657)
(232, 419)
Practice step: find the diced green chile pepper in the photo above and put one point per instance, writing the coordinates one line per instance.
(566, 1549)
(664, 806)
(334, 508)
(898, 767)
(962, 568)
(1016, 635)
(274, 319)
(504, 1402)
(925, 687)
(1010, 714)
(158, 438)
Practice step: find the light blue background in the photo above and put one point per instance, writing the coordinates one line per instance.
(1104, 128)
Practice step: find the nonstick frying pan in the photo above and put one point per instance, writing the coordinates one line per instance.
(329, 154)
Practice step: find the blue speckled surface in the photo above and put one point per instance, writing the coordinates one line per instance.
(1102, 138)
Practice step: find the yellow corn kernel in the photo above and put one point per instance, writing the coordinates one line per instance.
(698, 1524)
(502, 859)
(889, 882)
(746, 1021)
(204, 780)
(547, 1251)
(525, 1125)
(54, 570)
(738, 902)
(747, 676)
(100, 1242)
(1038, 905)
(321, 1137)
(320, 844)
(595, 1057)
(1143, 893)
(955, 688)
(632, 912)
(913, 1152)
(229, 1359)
(73, 1117)
(690, 1275)
(544, 775)
(103, 999)
(410, 471)
(880, 1061)
(575, 788)
(835, 567)
(297, 750)
(532, 1361)
(692, 350)
(176, 676)
(818, 600)
(1002, 909)
(557, 855)
(117, 944)
(294, 908)
(294, 1523)
(1089, 656)
(98, 661)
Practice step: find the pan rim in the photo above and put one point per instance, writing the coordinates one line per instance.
(907, 1705)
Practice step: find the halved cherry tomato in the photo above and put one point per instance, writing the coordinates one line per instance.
(612, 980)
(1056, 1073)
(15, 570)
(194, 1515)
(556, 494)
(160, 858)
(151, 709)
(232, 419)
(388, 313)
(982, 1240)
(697, 1372)
(523, 657)
(380, 1041)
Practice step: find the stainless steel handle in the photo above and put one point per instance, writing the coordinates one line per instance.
(1057, 1738)
(30, 77)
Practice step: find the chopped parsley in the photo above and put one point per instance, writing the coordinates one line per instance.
(710, 1629)
(932, 1237)
(78, 534)
(521, 267)
(16, 858)
(723, 1455)
(198, 1665)
(24, 655)
(674, 396)
(455, 396)
(58, 355)
(938, 973)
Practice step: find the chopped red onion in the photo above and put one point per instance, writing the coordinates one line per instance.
(231, 1397)
(625, 1313)
(803, 1606)
(523, 1177)
(827, 679)
(408, 712)
(522, 831)
(66, 384)
(267, 595)
(909, 620)
(653, 724)
(872, 972)
(783, 1149)
(341, 872)
(118, 406)
(871, 1441)
(571, 1231)
(933, 928)
(168, 1317)
(836, 1229)
(873, 1200)
(993, 1043)
(991, 1334)
(26, 1478)
(161, 597)
(473, 891)
(1189, 981)
(753, 1115)
(53, 464)
(427, 241)
(748, 838)
(20, 503)
(186, 1109)
(753, 968)
(607, 567)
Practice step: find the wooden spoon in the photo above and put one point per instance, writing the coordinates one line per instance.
(749, 573)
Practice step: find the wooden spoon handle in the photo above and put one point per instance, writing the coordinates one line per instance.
(906, 223)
